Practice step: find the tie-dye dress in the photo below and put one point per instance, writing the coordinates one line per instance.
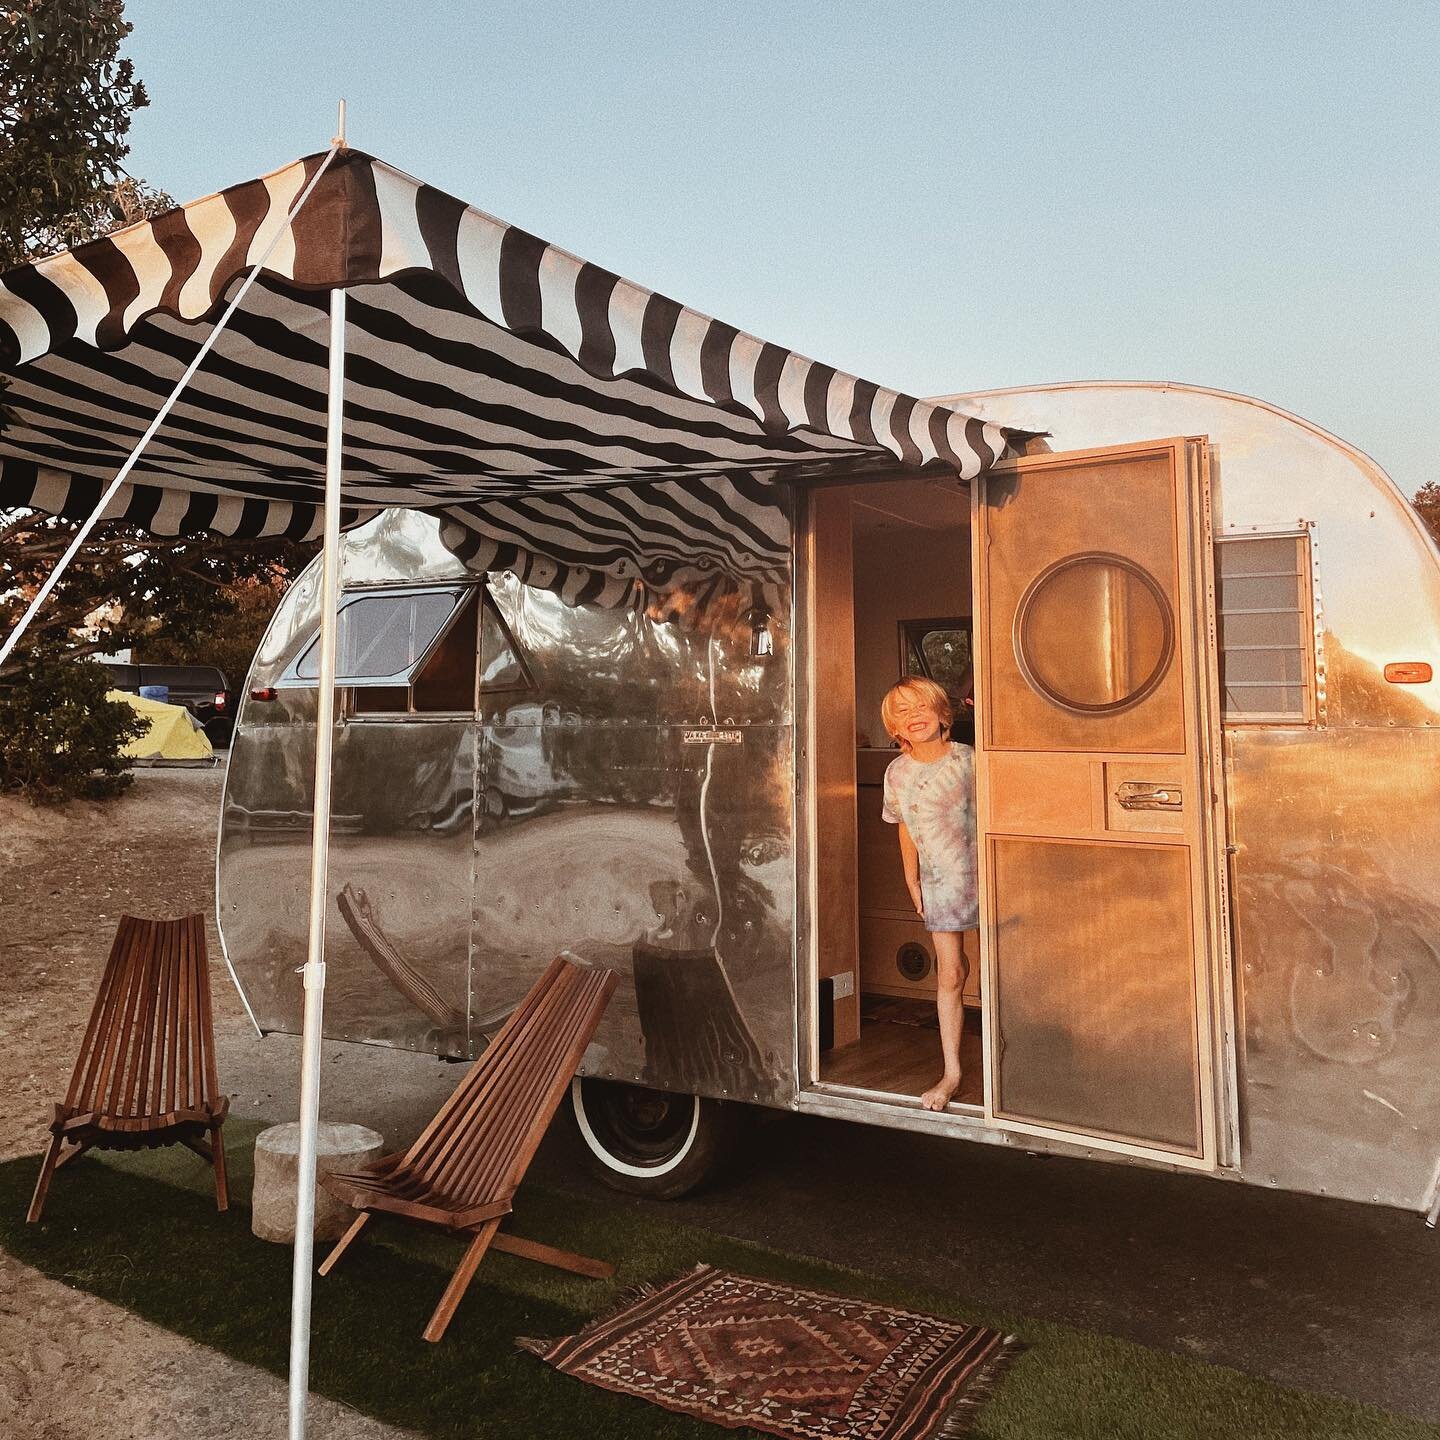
(936, 800)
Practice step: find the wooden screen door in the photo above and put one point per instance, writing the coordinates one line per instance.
(1096, 804)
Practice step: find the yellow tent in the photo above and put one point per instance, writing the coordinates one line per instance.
(174, 736)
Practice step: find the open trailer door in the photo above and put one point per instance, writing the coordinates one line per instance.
(1099, 881)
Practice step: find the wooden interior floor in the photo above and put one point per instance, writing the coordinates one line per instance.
(905, 1060)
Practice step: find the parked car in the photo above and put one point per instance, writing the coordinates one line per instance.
(202, 689)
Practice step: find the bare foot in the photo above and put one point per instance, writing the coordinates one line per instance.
(937, 1097)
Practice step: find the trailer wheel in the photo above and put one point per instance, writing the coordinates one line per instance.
(652, 1142)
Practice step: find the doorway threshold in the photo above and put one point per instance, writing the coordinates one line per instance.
(896, 1112)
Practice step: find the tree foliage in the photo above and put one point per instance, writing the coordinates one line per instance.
(66, 100)
(173, 599)
(232, 642)
(1427, 502)
(62, 737)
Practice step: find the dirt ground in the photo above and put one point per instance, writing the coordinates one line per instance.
(66, 875)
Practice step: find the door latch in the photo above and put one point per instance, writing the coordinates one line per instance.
(1143, 795)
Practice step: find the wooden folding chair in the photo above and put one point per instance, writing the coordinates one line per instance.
(463, 1171)
(146, 1072)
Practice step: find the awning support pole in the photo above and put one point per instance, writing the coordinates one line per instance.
(83, 534)
(314, 971)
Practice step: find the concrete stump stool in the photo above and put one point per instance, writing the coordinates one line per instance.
(277, 1163)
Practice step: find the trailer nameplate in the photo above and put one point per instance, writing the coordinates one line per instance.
(712, 737)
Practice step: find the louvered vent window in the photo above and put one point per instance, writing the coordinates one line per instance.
(1266, 629)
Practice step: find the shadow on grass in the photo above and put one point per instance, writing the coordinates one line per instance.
(139, 1230)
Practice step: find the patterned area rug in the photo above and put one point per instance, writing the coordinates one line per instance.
(738, 1351)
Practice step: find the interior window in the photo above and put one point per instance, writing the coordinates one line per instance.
(380, 700)
(446, 681)
(1266, 629)
(941, 651)
(502, 667)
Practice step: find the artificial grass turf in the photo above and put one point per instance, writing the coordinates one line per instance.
(141, 1230)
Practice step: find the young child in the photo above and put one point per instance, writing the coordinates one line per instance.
(930, 796)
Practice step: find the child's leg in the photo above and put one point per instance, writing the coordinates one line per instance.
(952, 971)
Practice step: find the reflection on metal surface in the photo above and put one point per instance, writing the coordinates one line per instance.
(359, 912)
(692, 1023)
(402, 808)
(1360, 697)
(623, 792)
(637, 851)
(1338, 940)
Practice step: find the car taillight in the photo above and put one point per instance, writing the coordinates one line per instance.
(219, 700)
(265, 693)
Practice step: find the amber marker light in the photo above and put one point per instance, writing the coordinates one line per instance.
(1409, 672)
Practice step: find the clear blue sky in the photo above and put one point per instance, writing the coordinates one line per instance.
(937, 196)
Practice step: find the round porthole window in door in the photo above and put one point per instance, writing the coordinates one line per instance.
(1094, 633)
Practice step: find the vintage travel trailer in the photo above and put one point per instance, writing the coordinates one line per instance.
(1198, 633)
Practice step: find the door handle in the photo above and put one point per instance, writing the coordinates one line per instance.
(1143, 795)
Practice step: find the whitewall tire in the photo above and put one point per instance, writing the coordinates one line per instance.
(651, 1142)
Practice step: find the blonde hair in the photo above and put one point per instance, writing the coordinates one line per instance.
(918, 690)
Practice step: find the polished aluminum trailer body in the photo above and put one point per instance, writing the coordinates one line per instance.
(641, 799)
(592, 811)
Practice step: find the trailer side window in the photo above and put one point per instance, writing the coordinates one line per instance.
(1267, 650)
(381, 636)
(417, 652)
(444, 684)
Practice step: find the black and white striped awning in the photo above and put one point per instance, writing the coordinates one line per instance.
(491, 378)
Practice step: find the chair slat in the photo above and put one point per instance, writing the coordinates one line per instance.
(183, 1040)
(164, 1004)
(113, 989)
(117, 1055)
(479, 1155)
(96, 1030)
(483, 1152)
(596, 998)
(211, 1091)
(482, 1075)
(492, 1163)
(172, 1028)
